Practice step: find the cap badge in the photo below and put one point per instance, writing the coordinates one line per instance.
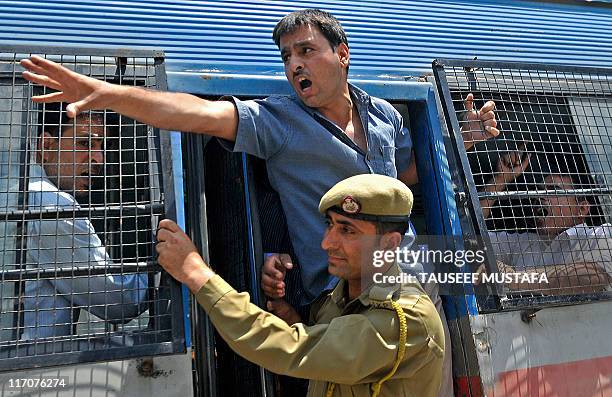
(350, 205)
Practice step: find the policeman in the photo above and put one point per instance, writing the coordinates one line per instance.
(369, 336)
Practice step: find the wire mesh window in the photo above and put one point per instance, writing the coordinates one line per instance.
(80, 200)
(541, 190)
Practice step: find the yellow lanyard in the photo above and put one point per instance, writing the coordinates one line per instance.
(400, 353)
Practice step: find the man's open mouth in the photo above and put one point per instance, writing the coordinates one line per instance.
(93, 172)
(304, 83)
(539, 207)
(541, 212)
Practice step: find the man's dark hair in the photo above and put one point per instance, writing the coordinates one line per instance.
(326, 22)
(390, 227)
(55, 120)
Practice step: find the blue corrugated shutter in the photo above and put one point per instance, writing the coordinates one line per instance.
(387, 38)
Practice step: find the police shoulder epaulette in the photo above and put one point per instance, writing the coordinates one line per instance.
(381, 296)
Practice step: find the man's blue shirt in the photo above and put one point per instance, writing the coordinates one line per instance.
(306, 154)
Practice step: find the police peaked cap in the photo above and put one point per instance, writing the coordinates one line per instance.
(369, 197)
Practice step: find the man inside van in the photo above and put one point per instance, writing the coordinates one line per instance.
(576, 257)
(326, 131)
(70, 153)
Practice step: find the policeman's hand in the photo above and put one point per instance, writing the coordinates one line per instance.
(81, 92)
(478, 125)
(273, 274)
(283, 310)
(179, 256)
(511, 165)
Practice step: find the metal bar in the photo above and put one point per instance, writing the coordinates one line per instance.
(50, 354)
(255, 257)
(463, 63)
(111, 210)
(541, 302)
(82, 51)
(545, 193)
(165, 157)
(219, 84)
(205, 376)
(76, 271)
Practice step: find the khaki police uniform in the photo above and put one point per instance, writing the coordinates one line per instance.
(389, 341)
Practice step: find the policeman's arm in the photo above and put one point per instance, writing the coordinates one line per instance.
(327, 352)
(170, 111)
(351, 349)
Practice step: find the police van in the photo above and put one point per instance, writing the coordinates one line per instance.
(548, 67)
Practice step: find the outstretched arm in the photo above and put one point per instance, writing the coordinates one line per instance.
(171, 111)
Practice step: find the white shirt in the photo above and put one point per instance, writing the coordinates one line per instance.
(54, 243)
(580, 243)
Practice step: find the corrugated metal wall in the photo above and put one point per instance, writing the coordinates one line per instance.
(392, 37)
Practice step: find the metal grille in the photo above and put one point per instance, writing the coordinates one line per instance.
(80, 200)
(541, 190)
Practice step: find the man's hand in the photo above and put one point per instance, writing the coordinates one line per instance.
(508, 168)
(478, 125)
(179, 256)
(576, 278)
(511, 165)
(482, 270)
(81, 92)
(273, 274)
(283, 310)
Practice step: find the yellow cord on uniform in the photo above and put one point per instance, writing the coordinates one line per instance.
(400, 353)
(330, 389)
